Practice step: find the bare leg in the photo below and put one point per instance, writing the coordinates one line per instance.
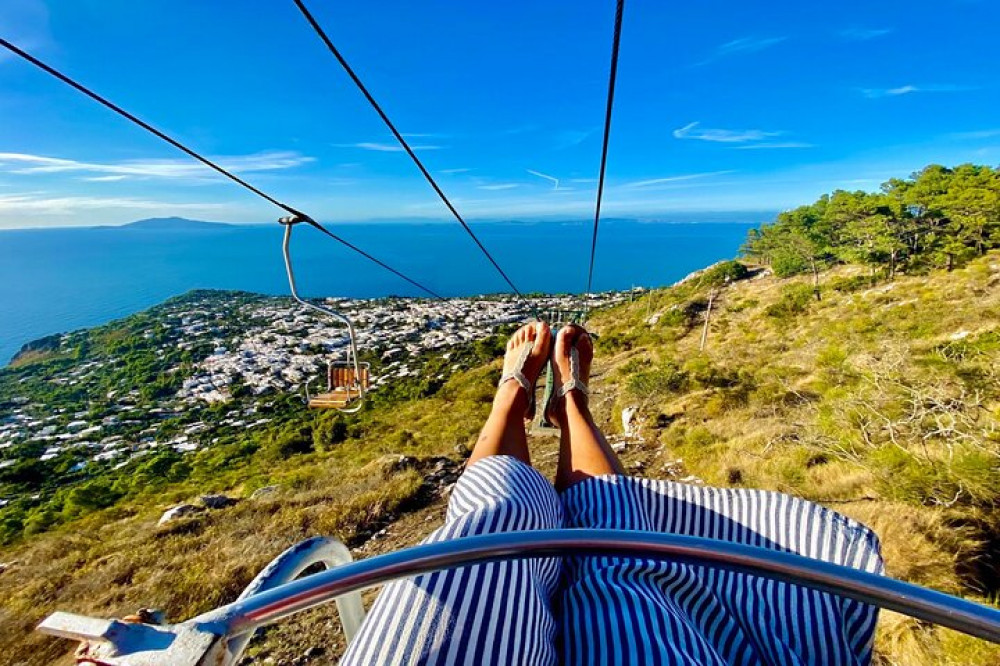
(504, 432)
(583, 450)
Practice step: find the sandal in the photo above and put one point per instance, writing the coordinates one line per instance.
(517, 375)
(574, 383)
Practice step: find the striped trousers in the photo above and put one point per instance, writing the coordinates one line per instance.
(608, 610)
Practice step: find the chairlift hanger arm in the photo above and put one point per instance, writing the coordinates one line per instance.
(289, 223)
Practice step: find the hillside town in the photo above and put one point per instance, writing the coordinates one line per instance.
(255, 348)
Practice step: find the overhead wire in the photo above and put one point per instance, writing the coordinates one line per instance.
(612, 79)
(321, 33)
(296, 214)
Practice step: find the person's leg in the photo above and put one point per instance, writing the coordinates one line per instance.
(622, 610)
(503, 433)
(497, 613)
(583, 450)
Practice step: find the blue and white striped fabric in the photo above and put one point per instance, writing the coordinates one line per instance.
(602, 610)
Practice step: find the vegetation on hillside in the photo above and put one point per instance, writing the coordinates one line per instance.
(938, 217)
(880, 401)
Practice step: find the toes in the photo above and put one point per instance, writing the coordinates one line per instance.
(543, 337)
(569, 335)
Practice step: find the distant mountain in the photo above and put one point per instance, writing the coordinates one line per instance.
(174, 224)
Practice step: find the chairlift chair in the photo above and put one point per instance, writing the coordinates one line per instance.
(348, 380)
(343, 384)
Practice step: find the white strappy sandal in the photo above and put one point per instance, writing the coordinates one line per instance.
(574, 383)
(517, 374)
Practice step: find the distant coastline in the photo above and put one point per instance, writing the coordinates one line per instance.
(754, 217)
(59, 280)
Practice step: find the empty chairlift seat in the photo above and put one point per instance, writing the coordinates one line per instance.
(344, 385)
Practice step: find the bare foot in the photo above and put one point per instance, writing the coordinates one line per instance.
(539, 333)
(569, 337)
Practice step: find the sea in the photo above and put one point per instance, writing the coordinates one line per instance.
(59, 280)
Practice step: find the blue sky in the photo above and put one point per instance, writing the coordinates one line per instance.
(722, 105)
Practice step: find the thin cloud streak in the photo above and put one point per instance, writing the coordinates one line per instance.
(692, 131)
(980, 134)
(571, 138)
(864, 34)
(498, 186)
(384, 147)
(25, 164)
(877, 93)
(34, 204)
(672, 179)
(775, 146)
(742, 46)
(551, 179)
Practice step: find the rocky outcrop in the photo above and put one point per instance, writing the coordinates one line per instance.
(178, 512)
(217, 501)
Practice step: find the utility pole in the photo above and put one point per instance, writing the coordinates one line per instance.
(708, 318)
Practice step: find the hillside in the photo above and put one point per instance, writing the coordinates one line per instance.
(880, 401)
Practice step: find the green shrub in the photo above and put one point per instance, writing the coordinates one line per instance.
(661, 380)
(740, 306)
(850, 284)
(328, 432)
(787, 264)
(795, 300)
(723, 272)
(289, 441)
(89, 496)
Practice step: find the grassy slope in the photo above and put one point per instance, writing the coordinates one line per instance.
(836, 404)
(803, 403)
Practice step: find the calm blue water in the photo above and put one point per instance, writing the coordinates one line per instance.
(56, 280)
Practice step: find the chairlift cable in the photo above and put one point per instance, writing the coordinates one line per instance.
(612, 78)
(403, 142)
(204, 160)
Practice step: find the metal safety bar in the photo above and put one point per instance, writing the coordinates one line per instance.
(287, 567)
(206, 633)
(352, 351)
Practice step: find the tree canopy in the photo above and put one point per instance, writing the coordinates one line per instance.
(938, 217)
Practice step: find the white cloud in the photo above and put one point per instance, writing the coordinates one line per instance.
(864, 34)
(672, 179)
(570, 138)
(775, 145)
(979, 134)
(385, 147)
(692, 131)
(498, 186)
(423, 135)
(551, 179)
(743, 45)
(26, 164)
(875, 93)
(103, 179)
(39, 203)
(452, 172)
